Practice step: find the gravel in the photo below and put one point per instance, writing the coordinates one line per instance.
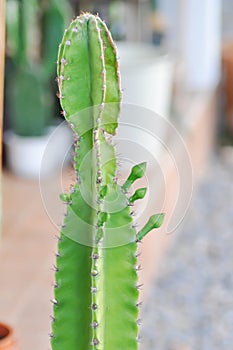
(190, 306)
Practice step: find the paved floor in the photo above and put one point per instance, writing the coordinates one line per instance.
(190, 306)
(26, 258)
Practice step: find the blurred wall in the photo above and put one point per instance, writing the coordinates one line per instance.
(194, 34)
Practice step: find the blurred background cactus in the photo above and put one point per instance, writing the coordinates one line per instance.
(34, 29)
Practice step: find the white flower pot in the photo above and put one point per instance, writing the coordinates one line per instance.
(31, 157)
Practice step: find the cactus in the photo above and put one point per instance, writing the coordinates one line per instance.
(34, 29)
(96, 293)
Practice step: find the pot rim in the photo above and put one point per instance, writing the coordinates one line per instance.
(10, 135)
(7, 332)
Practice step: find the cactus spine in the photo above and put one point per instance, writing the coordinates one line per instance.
(96, 294)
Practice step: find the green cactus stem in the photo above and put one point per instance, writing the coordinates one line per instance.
(96, 293)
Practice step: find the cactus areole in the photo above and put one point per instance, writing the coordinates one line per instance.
(96, 293)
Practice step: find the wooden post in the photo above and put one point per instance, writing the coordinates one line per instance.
(2, 64)
(2, 61)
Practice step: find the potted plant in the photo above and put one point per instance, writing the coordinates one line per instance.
(96, 289)
(7, 340)
(34, 29)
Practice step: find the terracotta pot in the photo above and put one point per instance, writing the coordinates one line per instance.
(7, 340)
(227, 84)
